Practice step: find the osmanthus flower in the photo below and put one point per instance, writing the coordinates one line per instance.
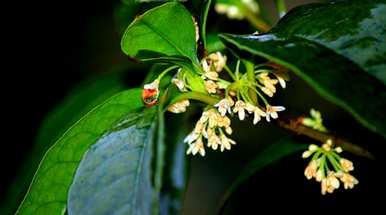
(257, 112)
(224, 106)
(328, 167)
(348, 180)
(330, 183)
(210, 127)
(212, 66)
(282, 77)
(196, 147)
(268, 84)
(179, 107)
(242, 95)
(211, 86)
(271, 112)
(217, 61)
(179, 84)
(240, 109)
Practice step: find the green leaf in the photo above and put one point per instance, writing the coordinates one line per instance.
(164, 31)
(354, 29)
(273, 153)
(114, 175)
(214, 43)
(77, 103)
(333, 76)
(47, 193)
(336, 77)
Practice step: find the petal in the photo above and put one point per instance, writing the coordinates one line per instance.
(267, 118)
(202, 152)
(274, 115)
(227, 146)
(228, 130)
(281, 82)
(195, 150)
(241, 114)
(278, 108)
(260, 112)
(256, 118)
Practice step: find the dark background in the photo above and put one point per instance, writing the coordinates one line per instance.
(56, 44)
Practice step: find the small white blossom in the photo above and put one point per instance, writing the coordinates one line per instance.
(240, 108)
(311, 169)
(330, 183)
(311, 149)
(211, 75)
(281, 78)
(226, 142)
(338, 149)
(257, 112)
(213, 140)
(179, 107)
(196, 147)
(346, 165)
(205, 66)
(267, 91)
(191, 137)
(210, 86)
(272, 112)
(224, 106)
(179, 84)
(348, 181)
(218, 60)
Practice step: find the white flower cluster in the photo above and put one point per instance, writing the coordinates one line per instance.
(327, 167)
(213, 128)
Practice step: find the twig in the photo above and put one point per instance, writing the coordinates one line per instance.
(257, 22)
(296, 127)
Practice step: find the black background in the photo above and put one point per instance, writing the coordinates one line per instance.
(44, 57)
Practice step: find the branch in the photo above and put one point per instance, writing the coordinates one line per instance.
(296, 127)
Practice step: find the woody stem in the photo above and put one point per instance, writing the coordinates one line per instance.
(296, 127)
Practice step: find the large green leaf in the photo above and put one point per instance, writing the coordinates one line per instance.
(329, 63)
(79, 101)
(47, 193)
(355, 29)
(335, 77)
(273, 153)
(114, 175)
(164, 31)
